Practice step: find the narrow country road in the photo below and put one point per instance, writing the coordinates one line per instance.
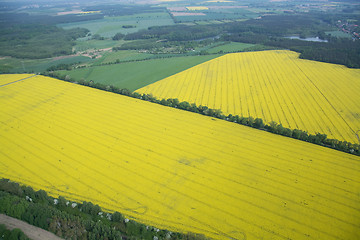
(32, 232)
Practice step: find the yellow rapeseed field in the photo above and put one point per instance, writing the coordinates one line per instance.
(275, 86)
(199, 8)
(174, 169)
(9, 78)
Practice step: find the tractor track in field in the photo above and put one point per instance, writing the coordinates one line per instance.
(18, 80)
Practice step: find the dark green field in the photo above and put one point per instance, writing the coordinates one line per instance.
(230, 47)
(16, 65)
(109, 26)
(134, 75)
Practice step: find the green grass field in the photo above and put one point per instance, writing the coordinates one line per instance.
(216, 16)
(15, 65)
(134, 75)
(125, 55)
(230, 47)
(109, 26)
(83, 45)
(339, 34)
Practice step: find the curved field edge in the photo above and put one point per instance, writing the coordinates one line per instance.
(274, 86)
(175, 169)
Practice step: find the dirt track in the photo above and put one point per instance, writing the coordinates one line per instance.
(32, 232)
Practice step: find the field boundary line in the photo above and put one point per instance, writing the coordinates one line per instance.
(18, 80)
(326, 99)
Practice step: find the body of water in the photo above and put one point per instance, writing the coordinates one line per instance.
(312, 39)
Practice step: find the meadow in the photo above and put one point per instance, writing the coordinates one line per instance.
(230, 47)
(109, 26)
(274, 86)
(214, 12)
(339, 34)
(137, 74)
(124, 55)
(87, 44)
(16, 65)
(174, 169)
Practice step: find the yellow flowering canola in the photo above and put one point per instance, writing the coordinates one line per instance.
(275, 86)
(197, 8)
(10, 78)
(174, 169)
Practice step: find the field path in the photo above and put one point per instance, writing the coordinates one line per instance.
(8, 83)
(31, 231)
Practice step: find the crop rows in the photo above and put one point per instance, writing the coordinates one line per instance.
(9, 78)
(275, 86)
(174, 169)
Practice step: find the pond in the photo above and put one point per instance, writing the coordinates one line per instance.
(312, 39)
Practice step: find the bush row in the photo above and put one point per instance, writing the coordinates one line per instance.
(273, 127)
(14, 234)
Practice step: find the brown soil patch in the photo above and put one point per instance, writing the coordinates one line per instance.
(32, 232)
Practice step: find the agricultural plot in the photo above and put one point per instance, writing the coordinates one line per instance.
(84, 44)
(212, 13)
(16, 65)
(339, 34)
(230, 47)
(109, 26)
(125, 55)
(9, 78)
(275, 86)
(210, 16)
(197, 8)
(135, 75)
(184, 171)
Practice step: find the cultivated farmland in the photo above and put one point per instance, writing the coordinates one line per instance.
(275, 86)
(109, 26)
(174, 169)
(135, 75)
(9, 78)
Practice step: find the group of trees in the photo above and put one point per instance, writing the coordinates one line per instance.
(61, 66)
(74, 220)
(37, 36)
(38, 41)
(154, 46)
(15, 234)
(177, 32)
(318, 138)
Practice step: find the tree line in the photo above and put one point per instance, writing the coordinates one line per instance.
(72, 220)
(258, 123)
